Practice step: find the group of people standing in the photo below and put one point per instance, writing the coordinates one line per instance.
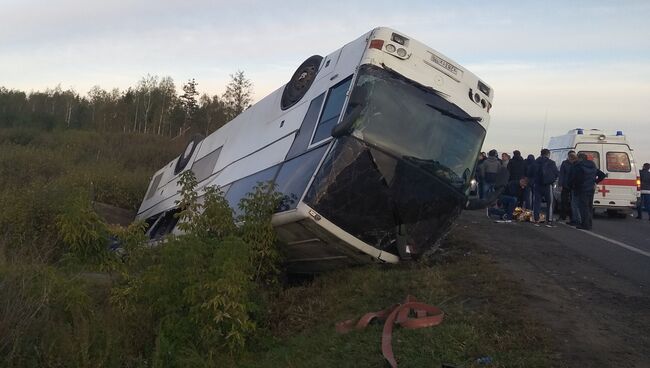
(526, 183)
(578, 179)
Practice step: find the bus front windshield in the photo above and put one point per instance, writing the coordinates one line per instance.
(415, 124)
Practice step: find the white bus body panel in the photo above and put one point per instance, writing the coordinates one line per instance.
(261, 136)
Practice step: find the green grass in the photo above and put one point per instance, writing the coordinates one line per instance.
(483, 318)
(51, 316)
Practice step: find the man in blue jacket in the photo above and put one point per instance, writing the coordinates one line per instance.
(545, 174)
(583, 178)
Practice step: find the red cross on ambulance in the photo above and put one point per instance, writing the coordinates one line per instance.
(603, 190)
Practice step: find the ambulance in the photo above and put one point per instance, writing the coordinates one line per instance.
(618, 193)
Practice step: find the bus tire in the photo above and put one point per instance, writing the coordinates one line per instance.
(185, 157)
(300, 82)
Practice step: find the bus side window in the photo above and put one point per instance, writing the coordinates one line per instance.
(332, 110)
(241, 187)
(294, 175)
(303, 135)
(204, 166)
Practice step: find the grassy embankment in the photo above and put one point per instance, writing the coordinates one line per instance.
(153, 310)
(483, 308)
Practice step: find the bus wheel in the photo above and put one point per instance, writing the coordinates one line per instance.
(185, 157)
(300, 82)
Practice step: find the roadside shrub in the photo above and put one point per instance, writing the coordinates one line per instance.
(196, 300)
(49, 319)
(216, 221)
(82, 231)
(42, 174)
(258, 207)
(205, 289)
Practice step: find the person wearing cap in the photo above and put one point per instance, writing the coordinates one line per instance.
(644, 175)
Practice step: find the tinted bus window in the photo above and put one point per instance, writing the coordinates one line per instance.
(592, 156)
(203, 168)
(244, 186)
(332, 110)
(154, 186)
(294, 175)
(301, 141)
(618, 162)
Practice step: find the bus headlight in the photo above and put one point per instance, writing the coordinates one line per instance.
(401, 52)
(390, 48)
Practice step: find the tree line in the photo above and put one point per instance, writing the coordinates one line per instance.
(153, 106)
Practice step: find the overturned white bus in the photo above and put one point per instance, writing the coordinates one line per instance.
(375, 144)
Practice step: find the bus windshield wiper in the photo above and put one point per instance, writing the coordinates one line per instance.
(437, 168)
(452, 115)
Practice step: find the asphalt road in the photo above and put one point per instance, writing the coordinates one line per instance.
(627, 230)
(620, 245)
(591, 289)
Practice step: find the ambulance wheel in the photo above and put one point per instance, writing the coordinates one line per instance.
(300, 82)
(185, 157)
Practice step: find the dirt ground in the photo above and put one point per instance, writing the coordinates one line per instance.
(597, 317)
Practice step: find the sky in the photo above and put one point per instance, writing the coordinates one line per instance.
(554, 65)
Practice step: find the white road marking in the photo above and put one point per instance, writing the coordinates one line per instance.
(616, 242)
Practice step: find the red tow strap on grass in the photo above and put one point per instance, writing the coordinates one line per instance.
(425, 316)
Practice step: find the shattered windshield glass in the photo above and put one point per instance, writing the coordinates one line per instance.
(414, 123)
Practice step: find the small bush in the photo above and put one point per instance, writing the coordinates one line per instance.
(82, 231)
(48, 318)
(205, 290)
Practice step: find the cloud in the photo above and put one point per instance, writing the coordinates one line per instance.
(565, 96)
(568, 63)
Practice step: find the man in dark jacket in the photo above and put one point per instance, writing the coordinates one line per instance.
(516, 166)
(530, 174)
(575, 209)
(583, 178)
(518, 189)
(546, 173)
(563, 182)
(505, 205)
(644, 175)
